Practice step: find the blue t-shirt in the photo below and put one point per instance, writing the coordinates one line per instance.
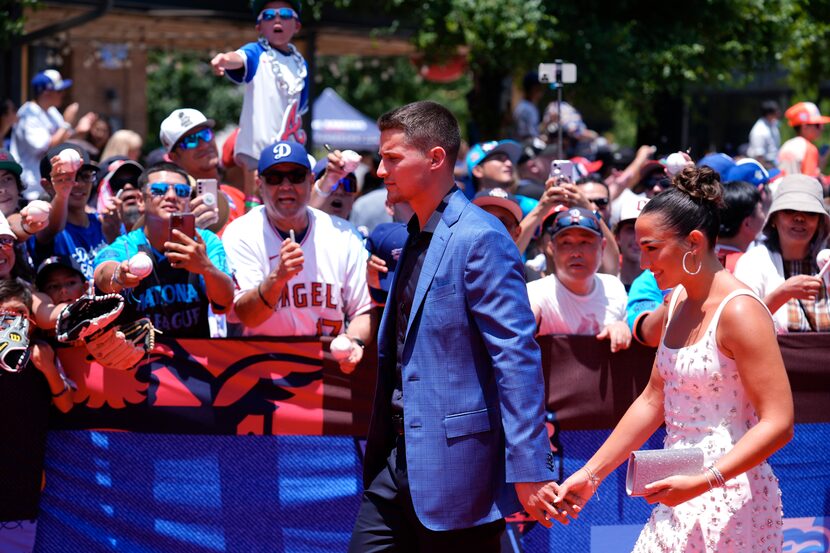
(81, 244)
(644, 295)
(174, 300)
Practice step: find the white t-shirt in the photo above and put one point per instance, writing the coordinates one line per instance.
(330, 290)
(563, 312)
(30, 142)
(276, 96)
(764, 140)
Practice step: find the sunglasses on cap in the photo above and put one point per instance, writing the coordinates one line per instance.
(272, 13)
(160, 189)
(570, 220)
(349, 185)
(275, 178)
(191, 141)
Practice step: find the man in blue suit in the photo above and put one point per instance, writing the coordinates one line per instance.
(457, 439)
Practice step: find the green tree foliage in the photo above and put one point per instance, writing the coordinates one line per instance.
(376, 85)
(184, 79)
(11, 19)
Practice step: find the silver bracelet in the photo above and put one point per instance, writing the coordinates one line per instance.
(718, 476)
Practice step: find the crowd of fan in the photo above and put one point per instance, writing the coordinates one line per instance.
(573, 222)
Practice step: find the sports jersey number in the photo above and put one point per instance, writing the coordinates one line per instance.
(334, 327)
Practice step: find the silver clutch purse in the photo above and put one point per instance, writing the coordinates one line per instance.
(650, 465)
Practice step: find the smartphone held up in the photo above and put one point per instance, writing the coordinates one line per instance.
(183, 222)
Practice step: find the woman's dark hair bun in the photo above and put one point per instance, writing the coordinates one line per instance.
(701, 184)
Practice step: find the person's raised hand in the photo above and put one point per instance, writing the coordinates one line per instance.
(86, 122)
(801, 287)
(71, 113)
(187, 253)
(62, 176)
(291, 261)
(206, 215)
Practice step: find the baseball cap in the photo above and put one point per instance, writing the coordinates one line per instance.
(799, 193)
(120, 172)
(721, 163)
(5, 228)
(180, 122)
(258, 5)
(48, 266)
(482, 151)
(749, 170)
(8, 163)
(46, 161)
(585, 166)
(49, 80)
(499, 197)
(805, 113)
(283, 152)
(386, 241)
(575, 217)
(630, 209)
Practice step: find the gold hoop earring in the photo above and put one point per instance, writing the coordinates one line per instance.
(685, 255)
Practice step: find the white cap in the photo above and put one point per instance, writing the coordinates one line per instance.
(631, 208)
(5, 229)
(178, 123)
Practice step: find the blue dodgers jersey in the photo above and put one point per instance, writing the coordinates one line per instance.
(81, 244)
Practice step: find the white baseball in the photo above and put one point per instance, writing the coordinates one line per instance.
(38, 210)
(341, 347)
(141, 265)
(352, 160)
(676, 162)
(72, 157)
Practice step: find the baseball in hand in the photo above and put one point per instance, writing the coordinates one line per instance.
(341, 347)
(71, 157)
(676, 162)
(352, 160)
(141, 265)
(38, 210)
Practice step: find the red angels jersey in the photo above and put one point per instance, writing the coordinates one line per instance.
(329, 291)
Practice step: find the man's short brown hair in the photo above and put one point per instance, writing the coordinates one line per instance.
(426, 125)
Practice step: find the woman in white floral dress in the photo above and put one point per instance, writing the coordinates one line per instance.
(718, 383)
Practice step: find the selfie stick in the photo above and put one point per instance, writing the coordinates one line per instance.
(558, 81)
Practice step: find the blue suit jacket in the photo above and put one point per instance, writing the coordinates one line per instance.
(473, 389)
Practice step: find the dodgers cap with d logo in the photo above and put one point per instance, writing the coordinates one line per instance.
(283, 152)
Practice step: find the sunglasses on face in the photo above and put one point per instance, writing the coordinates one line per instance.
(158, 189)
(6, 241)
(662, 182)
(275, 178)
(191, 141)
(85, 176)
(272, 13)
(600, 202)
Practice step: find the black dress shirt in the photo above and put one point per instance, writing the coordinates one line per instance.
(414, 254)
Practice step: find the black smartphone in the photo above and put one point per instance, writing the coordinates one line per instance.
(183, 222)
